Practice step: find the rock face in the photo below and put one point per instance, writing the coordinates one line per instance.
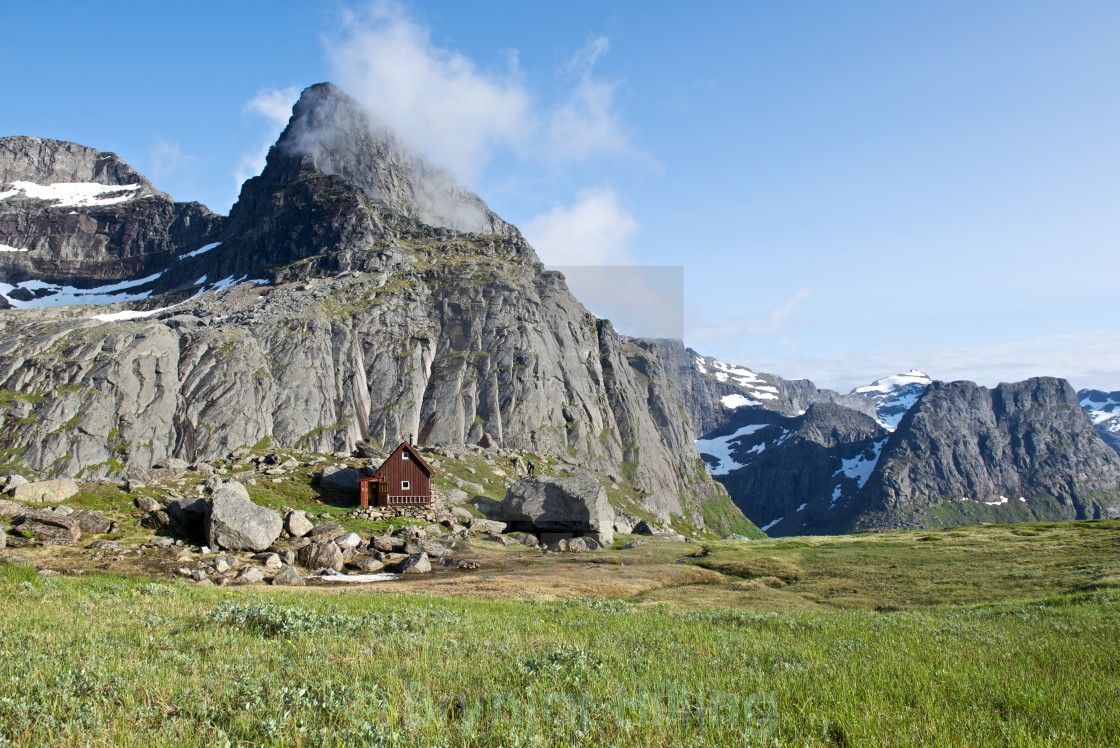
(321, 555)
(387, 302)
(236, 523)
(562, 505)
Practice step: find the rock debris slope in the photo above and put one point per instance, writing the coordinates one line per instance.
(355, 293)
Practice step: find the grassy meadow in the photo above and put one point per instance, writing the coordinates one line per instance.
(994, 635)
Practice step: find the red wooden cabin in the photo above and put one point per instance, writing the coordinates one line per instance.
(404, 479)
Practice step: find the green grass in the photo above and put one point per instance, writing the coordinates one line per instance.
(1008, 637)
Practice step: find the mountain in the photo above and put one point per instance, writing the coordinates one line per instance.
(1103, 409)
(354, 294)
(933, 454)
(894, 396)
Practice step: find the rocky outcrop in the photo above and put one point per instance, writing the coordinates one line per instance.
(1103, 409)
(45, 491)
(577, 504)
(48, 528)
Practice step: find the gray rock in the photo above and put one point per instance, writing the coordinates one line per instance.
(3, 538)
(236, 523)
(45, 491)
(645, 528)
(386, 543)
(321, 555)
(581, 544)
(250, 575)
(11, 482)
(297, 524)
(62, 510)
(288, 577)
(365, 565)
(223, 564)
(341, 478)
(349, 541)
(326, 531)
(49, 528)
(576, 504)
(147, 504)
(622, 525)
(415, 564)
(480, 526)
(463, 516)
(12, 508)
(92, 522)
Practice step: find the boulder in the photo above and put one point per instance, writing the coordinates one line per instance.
(49, 528)
(415, 564)
(480, 526)
(349, 541)
(3, 538)
(12, 508)
(365, 565)
(185, 518)
(341, 478)
(288, 577)
(297, 524)
(11, 482)
(147, 504)
(45, 491)
(645, 528)
(461, 515)
(92, 522)
(236, 523)
(622, 525)
(326, 531)
(321, 555)
(386, 543)
(250, 575)
(576, 504)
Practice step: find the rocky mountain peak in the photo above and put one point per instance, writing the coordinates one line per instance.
(893, 396)
(330, 133)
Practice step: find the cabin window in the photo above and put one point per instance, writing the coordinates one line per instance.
(405, 485)
(404, 455)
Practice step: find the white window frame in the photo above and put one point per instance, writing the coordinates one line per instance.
(406, 485)
(404, 455)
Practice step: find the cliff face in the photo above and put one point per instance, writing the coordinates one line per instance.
(365, 323)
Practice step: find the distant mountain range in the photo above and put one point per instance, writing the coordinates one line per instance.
(357, 294)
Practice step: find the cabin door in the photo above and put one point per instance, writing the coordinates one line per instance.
(382, 492)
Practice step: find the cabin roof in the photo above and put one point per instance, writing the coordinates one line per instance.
(412, 451)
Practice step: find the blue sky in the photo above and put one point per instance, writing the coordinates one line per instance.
(853, 189)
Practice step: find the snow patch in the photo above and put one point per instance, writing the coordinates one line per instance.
(887, 384)
(66, 295)
(802, 507)
(200, 251)
(731, 402)
(720, 448)
(356, 578)
(998, 502)
(837, 491)
(768, 525)
(859, 468)
(6, 248)
(74, 194)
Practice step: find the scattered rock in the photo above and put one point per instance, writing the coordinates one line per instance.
(236, 523)
(297, 524)
(92, 522)
(250, 575)
(481, 526)
(3, 539)
(160, 542)
(12, 508)
(321, 555)
(222, 564)
(326, 531)
(48, 528)
(645, 528)
(415, 564)
(386, 543)
(288, 577)
(365, 565)
(45, 491)
(633, 544)
(622, 525)
(63, 511)
(147, 504)
(105, 545)
(349, 541)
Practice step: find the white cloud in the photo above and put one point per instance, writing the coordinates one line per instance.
(274, 105)
(587, 124)
(595, 230)
(436, 99)
(459, 115)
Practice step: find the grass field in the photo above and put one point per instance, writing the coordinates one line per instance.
(1002, 635)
